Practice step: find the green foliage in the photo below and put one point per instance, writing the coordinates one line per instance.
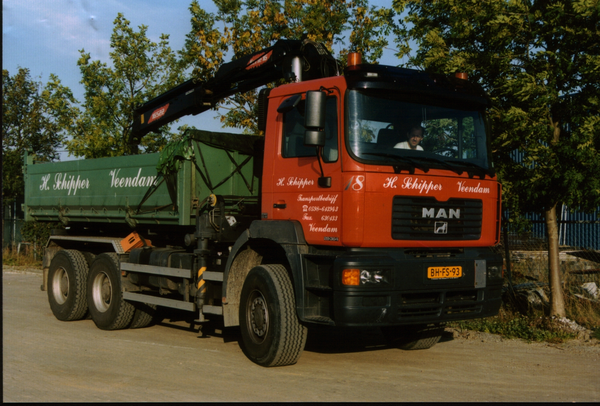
(540, 63)
(251, 25)
(33, 119)
(141, 70)
(38, 233)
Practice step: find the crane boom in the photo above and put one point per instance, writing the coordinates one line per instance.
(286, 59)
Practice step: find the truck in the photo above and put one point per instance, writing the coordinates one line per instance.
(326, 220)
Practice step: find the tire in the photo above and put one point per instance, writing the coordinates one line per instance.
(105, 296)
(67, 278)
(413, 337)
(143, 316)
(271, 332)
(89, 258)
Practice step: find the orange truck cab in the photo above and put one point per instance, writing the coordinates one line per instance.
(386, 235)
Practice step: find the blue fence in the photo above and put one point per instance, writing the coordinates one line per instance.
(577, 229)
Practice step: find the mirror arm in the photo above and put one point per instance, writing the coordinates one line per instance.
(323, 181)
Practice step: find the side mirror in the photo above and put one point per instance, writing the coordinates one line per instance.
(314, 119)
(314, 122)
(314, 138)
(315, 110)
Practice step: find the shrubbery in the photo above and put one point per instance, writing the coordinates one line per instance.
(37, 234)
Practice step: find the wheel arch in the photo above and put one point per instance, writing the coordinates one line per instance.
(265, 242)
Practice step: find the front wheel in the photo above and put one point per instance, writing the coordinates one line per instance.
(271, 332)
(105, 296)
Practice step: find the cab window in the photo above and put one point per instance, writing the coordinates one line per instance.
(293, 133)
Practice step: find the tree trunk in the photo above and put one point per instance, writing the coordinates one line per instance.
(557, 302)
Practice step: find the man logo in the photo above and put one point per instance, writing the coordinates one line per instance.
(441, 213)
(440, 227)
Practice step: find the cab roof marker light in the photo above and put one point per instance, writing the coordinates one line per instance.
(354, 58)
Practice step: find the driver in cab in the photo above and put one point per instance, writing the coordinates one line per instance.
(414, 136)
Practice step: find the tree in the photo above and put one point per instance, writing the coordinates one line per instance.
(33, 119)
(251, 25)
(540, 63)
(141, 70)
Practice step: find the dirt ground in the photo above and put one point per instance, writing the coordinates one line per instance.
(48, 360)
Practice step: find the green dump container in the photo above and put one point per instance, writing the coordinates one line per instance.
(130, 189)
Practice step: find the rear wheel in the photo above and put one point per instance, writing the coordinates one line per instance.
(143, 316)
(105, 297)
(271, 332)
(413, 337)
(67, 277)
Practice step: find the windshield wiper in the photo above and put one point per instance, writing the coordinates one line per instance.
(412, 164)
(459, 166)
(454, 168)
(474, 169)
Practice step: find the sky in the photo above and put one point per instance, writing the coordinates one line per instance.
(46, 36)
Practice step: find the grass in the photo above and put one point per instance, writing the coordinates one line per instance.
(10, 257)
(530, 327)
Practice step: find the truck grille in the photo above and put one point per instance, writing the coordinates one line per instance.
(424, 218)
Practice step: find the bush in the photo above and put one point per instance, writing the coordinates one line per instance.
(37, 233)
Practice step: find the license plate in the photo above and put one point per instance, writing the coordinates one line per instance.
(444, 272)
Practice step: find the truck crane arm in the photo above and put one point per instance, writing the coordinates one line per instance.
(286, 59)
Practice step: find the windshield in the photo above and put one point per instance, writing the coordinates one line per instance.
(384, 129)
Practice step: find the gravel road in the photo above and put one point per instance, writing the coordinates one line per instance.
(45, 360)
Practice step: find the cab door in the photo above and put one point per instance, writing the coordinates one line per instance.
(296, 172)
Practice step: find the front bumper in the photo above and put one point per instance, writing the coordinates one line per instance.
(408, 296)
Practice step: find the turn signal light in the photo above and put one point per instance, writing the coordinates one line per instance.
(351, 277)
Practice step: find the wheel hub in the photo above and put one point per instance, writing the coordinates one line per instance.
(102, 292)
(259, 316)
(60, 286)
(64, 285)
(105, 291)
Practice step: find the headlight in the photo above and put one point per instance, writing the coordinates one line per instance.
(372, 276)
(357, 277)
